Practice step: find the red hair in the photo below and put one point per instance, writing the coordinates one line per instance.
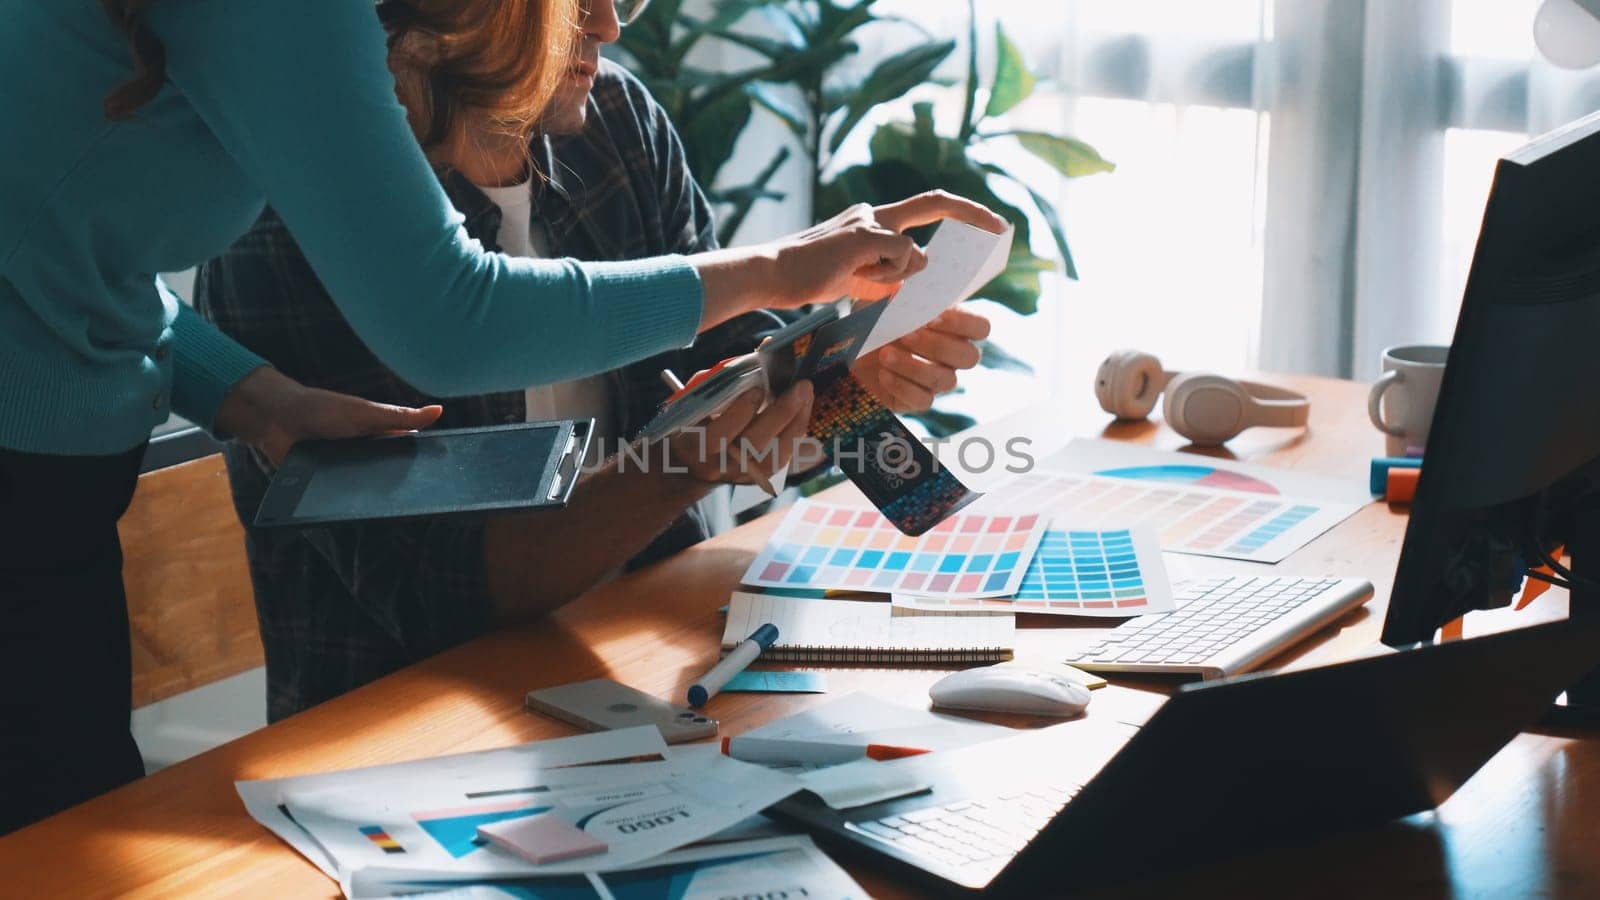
(502, 58)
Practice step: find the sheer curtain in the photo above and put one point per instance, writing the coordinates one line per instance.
(1168, 246)
(1444, 88)
(1299, 182)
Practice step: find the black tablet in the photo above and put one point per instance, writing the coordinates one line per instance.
(428, 473)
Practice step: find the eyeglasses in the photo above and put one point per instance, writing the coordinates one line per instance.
(628, 11)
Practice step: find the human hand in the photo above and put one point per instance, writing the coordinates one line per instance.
(272, 412)
(909, 373)
(743, 446)
(860, 253)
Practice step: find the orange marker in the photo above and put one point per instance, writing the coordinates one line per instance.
(889, 751)
(784, 750)
(1402, 485)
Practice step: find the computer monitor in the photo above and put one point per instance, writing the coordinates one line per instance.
(1512, 465)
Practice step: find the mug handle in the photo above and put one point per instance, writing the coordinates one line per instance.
(1375, 399)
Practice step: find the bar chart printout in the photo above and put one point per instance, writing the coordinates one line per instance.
(1187, 518)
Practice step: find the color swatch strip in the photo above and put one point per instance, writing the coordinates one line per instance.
(824, 545)
(1188, 518)
(1080, 572)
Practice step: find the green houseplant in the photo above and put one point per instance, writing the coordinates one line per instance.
(805, 45)
(807, 73)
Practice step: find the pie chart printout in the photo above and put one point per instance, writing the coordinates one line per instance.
(1205, 476)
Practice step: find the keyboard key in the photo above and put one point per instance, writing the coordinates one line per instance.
(918, 846)
(878, 829)
(919, 816)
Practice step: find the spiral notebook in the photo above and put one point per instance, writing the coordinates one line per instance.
(866, 631)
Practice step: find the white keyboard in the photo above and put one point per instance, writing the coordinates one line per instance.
(1224, 626)
(981, 833)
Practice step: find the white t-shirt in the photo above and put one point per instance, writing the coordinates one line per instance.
(579, 398)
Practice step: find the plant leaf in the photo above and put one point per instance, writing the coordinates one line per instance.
(765, 46)
(1017, 289)
(969, 99)
(877, 182)
(835, 23)
(745, 196)
(768, 98)
(890, 80)
(1047, 211)
(711, 132)
(1053, 221)
(997, 358)
(1069, 156)
(1012, 80)
(724, 15)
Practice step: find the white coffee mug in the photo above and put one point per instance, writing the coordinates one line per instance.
(1402, 399)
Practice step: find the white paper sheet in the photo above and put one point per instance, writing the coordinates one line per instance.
(961, 259)
(789, 866)
(862, 782)
(264, 799)
(859, 719)
(1092, 455)
(1188, 515)
(639, 810)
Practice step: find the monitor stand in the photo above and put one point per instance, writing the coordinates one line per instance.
(1579, 707)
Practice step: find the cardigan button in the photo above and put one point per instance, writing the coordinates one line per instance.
(155, 402)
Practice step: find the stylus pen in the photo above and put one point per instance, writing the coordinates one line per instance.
(741, 656)
(675, 385)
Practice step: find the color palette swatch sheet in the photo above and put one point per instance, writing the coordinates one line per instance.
(825, 545)
(1187, 518)
(1080, 573)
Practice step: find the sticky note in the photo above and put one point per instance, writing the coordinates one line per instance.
(778, 683)
(542, 839)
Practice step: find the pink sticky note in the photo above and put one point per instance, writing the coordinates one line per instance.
(542, 839)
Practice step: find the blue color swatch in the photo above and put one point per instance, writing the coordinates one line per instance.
(1091, 569)
(1264, 533)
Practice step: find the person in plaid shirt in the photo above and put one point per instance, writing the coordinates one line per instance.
(604, 179)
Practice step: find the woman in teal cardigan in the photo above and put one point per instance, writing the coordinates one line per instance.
(233, 104)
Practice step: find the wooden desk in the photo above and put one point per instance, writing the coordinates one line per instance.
(1524, 825)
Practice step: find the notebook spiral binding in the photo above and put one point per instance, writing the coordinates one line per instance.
(882, 654)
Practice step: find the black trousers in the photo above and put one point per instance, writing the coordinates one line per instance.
(65, 678)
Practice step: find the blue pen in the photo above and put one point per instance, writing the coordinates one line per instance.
(746, 652)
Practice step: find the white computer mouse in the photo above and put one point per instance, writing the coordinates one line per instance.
(1010, 689)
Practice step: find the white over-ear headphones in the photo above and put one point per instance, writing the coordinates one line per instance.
(1206, 409)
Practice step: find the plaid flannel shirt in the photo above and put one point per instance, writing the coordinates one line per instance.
(343, 605)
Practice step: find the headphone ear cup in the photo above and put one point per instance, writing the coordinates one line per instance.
(1207, 409)
(1128, 384)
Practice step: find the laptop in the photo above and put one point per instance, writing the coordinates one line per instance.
(1223, 767)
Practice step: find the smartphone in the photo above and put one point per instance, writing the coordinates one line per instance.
(602, 705)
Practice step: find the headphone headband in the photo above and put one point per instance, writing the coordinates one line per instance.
(1277, 407)
(1206, 409)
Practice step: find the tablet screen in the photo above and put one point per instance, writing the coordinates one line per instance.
(422, 474)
